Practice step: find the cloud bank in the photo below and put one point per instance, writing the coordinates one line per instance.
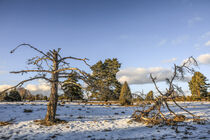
(42, 87)
(204, 59)
(141, 75)
(3, 87)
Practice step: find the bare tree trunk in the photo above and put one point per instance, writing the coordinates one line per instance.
(51, 61)
(52, 105)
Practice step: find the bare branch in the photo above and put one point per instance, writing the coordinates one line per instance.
(183, 108)
(74, 69)
(22, 82)
(153, 80)
(173, 77)
(24, 44)
(40, 59)
(155, 118)
(25, 71)
(84, 59)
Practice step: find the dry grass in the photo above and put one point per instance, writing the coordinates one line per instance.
(43, 122)
(5, 123)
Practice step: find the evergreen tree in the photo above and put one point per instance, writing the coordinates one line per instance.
(72, 89)
(149, 96)
(105, 85)
(198, 85)
(125, 95)
(13, 96)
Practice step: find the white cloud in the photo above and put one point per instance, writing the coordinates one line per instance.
(204, 59)
(3, 87)
(41, 87)
(169, 60)
(32, 88)
(141, 75)
(207, 43)
(194, 20)
(162, 42)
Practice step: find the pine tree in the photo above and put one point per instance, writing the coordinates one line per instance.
(13, 96)
(198, 85)
(105, 85)
(125, 95)
(72, 89)
(149, 96)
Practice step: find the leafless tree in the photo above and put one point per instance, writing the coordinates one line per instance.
(49, 63)
(153, 114)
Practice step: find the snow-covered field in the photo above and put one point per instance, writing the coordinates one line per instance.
(95, 122)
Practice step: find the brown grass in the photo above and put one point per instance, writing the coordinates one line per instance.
(43, 122)
(5, 123)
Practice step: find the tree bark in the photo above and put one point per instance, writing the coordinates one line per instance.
(52, 105)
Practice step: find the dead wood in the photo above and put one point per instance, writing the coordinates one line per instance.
(153, 115)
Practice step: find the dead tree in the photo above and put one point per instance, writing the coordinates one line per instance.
(153, 114)
(49, 64)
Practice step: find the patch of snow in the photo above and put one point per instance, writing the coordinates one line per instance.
(96, 122)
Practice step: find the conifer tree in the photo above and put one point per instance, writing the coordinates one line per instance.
(13, 96)
(149, 96)
(105, 85)
(125, 95)
(198, 85)
(72, 89)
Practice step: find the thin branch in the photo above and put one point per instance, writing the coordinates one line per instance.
(168, 107)
(183, 108)
(65, 69)
(40, 59)
(172, 79)
(22, 82)
(25, 71)
(153, 80)
(24, 44)
(84, 59)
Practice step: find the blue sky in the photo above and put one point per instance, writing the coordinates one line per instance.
(142, 34)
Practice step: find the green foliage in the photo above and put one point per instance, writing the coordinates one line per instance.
(125, 95)
(13, 96)
(105, 85)
(45, 98)
(39, 97)
(72, 89)
(62, 97)
(149, 96)
(198, 85)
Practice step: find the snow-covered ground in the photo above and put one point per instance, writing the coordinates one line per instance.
(96, 122)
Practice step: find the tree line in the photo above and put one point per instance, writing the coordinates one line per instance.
(101, 84)
(106, 87)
